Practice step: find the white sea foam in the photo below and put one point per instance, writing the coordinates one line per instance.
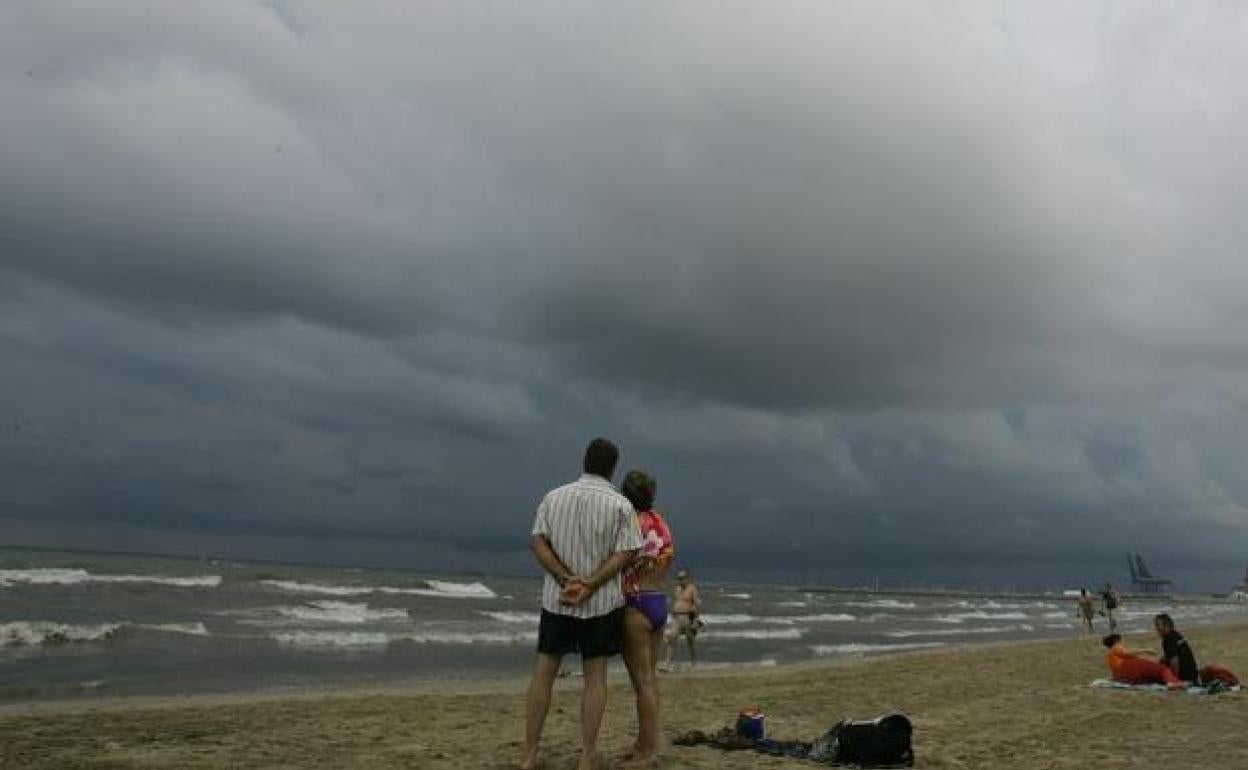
(518, 618)
(738, 596)
(374, 639)
(60, 576)
(992, 604)
(32, 632)
(960, 631)
(757, 633)
(464, 590)
(329, 611)
(886, 604)
(790, 604)
(775, 620)
(860, 648)
(435, 588)
(961, 617)
(333, 639)
(731, 620)
(296, 587)
(192, 629)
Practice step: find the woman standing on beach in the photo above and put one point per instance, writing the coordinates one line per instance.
(645, 614)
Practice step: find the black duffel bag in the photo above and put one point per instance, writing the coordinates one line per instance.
(881, 742)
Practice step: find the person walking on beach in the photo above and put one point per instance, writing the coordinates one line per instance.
(1086, 610)
(1109, 603)
(584, 534)
(685, 611)
(645, 614)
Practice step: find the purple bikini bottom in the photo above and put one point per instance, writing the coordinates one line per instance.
(652, 604)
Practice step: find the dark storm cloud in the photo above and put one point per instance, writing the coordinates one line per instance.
(870, 288)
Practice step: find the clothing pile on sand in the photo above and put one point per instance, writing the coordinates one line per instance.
(882, 742)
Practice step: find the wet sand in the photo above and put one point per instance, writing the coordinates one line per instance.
(1025, 706)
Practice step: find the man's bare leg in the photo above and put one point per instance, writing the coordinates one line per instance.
(693, 653)
(545, 669)
(593, 704)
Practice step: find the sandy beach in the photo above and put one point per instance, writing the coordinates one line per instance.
(1026, 706)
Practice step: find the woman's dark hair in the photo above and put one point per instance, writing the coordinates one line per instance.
(600, 458)
(1111, 640)
(1164, 618)
(640, 489)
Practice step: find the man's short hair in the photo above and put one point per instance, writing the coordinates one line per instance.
(1111, 640)
(1164, 618)
(600, 458)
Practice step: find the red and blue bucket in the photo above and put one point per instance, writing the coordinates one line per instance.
(750, 724)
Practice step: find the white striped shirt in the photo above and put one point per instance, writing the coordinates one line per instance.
(586, 521)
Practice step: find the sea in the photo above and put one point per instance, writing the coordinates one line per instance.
(77, 625)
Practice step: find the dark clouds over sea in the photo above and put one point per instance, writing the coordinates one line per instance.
(936, 291)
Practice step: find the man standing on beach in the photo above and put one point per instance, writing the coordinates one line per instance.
(1110, 601)
(584, 534)
(685, 610)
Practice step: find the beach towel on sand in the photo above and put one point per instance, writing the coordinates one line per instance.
(1113, 684)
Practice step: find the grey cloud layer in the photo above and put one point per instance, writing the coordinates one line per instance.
(910, 284)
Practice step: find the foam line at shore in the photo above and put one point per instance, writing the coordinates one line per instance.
(56, 576)
(434, 588)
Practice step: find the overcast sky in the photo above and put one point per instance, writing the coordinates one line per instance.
(948, 291)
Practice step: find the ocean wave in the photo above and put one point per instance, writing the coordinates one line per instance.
(731, 620)
(192, 629)
(329, 640)
(435, 588)
(329, 611)
(56, 576)
(960, 631)
(776, 620)
(791, 604)
(37, 632)
(296, 587)
(519, 618)
(757, 633)
(860, 648)
(884, 604)
(737, 596)
(33, 632)
(463, 590)
(992, 604)
(961, 617)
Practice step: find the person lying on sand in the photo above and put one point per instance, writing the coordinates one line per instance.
(1137, 666)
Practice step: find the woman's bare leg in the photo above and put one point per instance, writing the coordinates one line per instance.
(639, 660)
